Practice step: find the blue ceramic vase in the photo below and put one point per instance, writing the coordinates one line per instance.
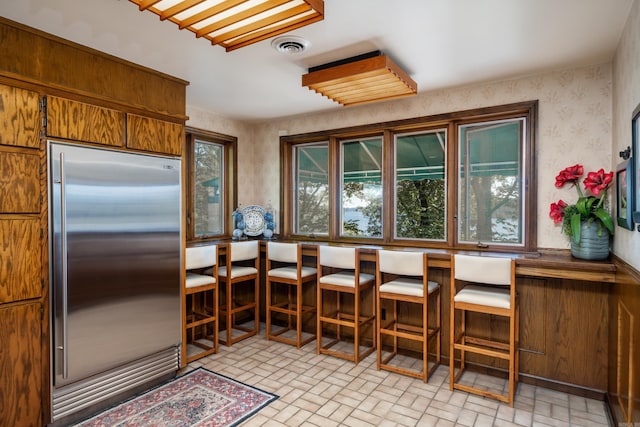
(594, 242)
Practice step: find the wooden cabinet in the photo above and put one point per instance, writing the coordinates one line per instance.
(19, 117)
(624, 347)
(89, 105)
(21, 259)
(84, 122)
(21, 364)
(563, 331)
(19, 182)
(158, 136)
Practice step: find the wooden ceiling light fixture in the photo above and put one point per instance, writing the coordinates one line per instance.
(365, 78)
(236, 23)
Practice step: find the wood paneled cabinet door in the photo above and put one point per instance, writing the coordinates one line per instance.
(19, 117)
(157, 136)
(20, 258)
(20, 365)
(84, 122)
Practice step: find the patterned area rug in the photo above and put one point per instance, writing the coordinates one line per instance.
(199, 398)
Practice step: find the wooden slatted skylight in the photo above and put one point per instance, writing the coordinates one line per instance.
(236, 23)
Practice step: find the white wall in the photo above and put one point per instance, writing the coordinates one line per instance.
(626, 96)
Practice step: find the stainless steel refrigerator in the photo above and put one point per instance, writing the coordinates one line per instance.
(115, 250)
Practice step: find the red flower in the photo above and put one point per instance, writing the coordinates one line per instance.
(557, 211)
(570, 174)
(598, 181)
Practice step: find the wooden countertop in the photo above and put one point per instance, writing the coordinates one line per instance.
(549, 263)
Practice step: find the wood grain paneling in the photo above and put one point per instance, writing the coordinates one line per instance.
(624, 362)
(624, 346)
(19, 182)
(577, 333)
(20, 259)
(19, 117)
(158, 136)
(532, 295)
(84, 122)
(20, 365)
(38, 57)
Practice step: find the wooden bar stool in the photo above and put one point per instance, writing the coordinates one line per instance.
(402, 282)
(339, 274)
(240, 279)
(201, 300)
(285, 270)
(486, 285)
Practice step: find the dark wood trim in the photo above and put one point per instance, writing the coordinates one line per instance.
(388, 208)
(416, 123)
(286, 163)
(449, 121)
(229, 191)
(334, 190)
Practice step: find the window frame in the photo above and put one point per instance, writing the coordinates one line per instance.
(450, 122)
(394, 183)
(228, 192)
(340, 184)
(295, 217)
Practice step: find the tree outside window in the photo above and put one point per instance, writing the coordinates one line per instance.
(490, 183)
(311, 188)
(420, 185)
(208, 183)
(361, 190)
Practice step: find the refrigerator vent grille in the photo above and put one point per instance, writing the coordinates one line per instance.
(77, 396)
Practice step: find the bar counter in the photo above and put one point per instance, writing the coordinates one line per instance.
(564, 313)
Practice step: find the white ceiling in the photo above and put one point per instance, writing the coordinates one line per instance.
(440, 43)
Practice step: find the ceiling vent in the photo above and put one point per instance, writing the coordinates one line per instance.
(290, 45)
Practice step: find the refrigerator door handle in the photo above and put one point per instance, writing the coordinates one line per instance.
(63, 241)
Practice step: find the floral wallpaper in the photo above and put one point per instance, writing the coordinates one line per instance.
(575, 126)
(626, 96)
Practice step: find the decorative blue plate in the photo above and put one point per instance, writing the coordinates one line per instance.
(254, 220)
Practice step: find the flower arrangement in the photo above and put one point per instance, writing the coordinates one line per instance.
(587, 208)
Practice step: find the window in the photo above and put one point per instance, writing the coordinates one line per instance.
(361, 187)
(209, 192)
(311, 188)
(458, 180)
(490, 176)
(420, 184)
(208, 180)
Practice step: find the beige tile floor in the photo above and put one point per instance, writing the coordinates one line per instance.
(326, 391)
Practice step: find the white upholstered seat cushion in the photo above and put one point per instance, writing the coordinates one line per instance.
(484, 295)
(195, 280)
(291, 272)
(237, 271)
(344, 279)
(412, 287)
